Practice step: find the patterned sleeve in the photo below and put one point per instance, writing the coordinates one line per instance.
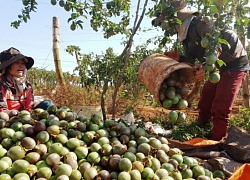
(3, 103)
(30, 98)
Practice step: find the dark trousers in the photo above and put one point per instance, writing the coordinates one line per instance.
(217, 100)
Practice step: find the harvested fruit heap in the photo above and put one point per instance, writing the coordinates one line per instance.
(174, 91)
(59, 144)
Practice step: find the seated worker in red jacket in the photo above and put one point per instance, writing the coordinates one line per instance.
(16, 92)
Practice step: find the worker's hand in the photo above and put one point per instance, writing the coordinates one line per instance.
(157, 21)
(199, 73)
(173, 54)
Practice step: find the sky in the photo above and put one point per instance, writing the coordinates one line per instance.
(34, 38)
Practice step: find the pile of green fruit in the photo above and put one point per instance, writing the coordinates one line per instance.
(57, 144)
(173, 92)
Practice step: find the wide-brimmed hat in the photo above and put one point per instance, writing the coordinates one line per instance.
(183, 11)
(12, 55)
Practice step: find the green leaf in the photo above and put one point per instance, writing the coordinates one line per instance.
(79, 22)
(223, 41)
(214, 9)
(245, 2)
(84, 16)
(74, 15)
(80, 25)
(96, 1)
(25, 19)
(220, 62)
(70, 19)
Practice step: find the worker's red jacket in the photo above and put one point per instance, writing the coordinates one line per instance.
(9, 99)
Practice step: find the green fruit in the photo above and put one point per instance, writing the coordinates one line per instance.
(90, 173)
(182, 104)
(63, 169)
(81, 152)
(170, 93)
(52, 109)
(219, 2)
(240, 29)
(44, 172)
(219, 174)
(42, 136)
(73, 27)
(205, 19)
(138, 165)
(173, 115)
(53, 2)
(161, 173)
(208, 173)
(144, 148)
(167, 103)
(5, 176)
(135, 174)
(56, 148)
(94, 158)
(73, 143)
(16, 152)
(3, 166)
(178, 158)
(125, 164)
(61, 3)
(187, 173)
(181, 117)
(124, 176)
(211, 58)
(67, 7)
(176, 175)
(75, 175)
(164, 5)
(146, 172)
(205, 42)
(214, 77)
(155, 143)
(156, 164)
(22, 176)
(165, 25)
(131, 156)
(175, 100)
(209, 68)
(20, 166)
(25, 2)
(198, 171)
(4, 116)
(184, 91)
(168, 166)
(108, 5)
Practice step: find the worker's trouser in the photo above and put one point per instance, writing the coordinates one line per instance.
(217, 100)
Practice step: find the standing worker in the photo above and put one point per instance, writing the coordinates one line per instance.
(216, 99)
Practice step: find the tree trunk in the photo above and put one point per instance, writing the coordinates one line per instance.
(56, 52)
(77, 59)
(125, 53)
(245, 85)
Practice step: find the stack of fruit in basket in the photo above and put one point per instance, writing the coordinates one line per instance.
(173, 92)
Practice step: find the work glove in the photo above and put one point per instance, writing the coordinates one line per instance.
(173, 54)
(199, 72)
(157, 21)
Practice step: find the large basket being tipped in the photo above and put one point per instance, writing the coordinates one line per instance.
(168, 80)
